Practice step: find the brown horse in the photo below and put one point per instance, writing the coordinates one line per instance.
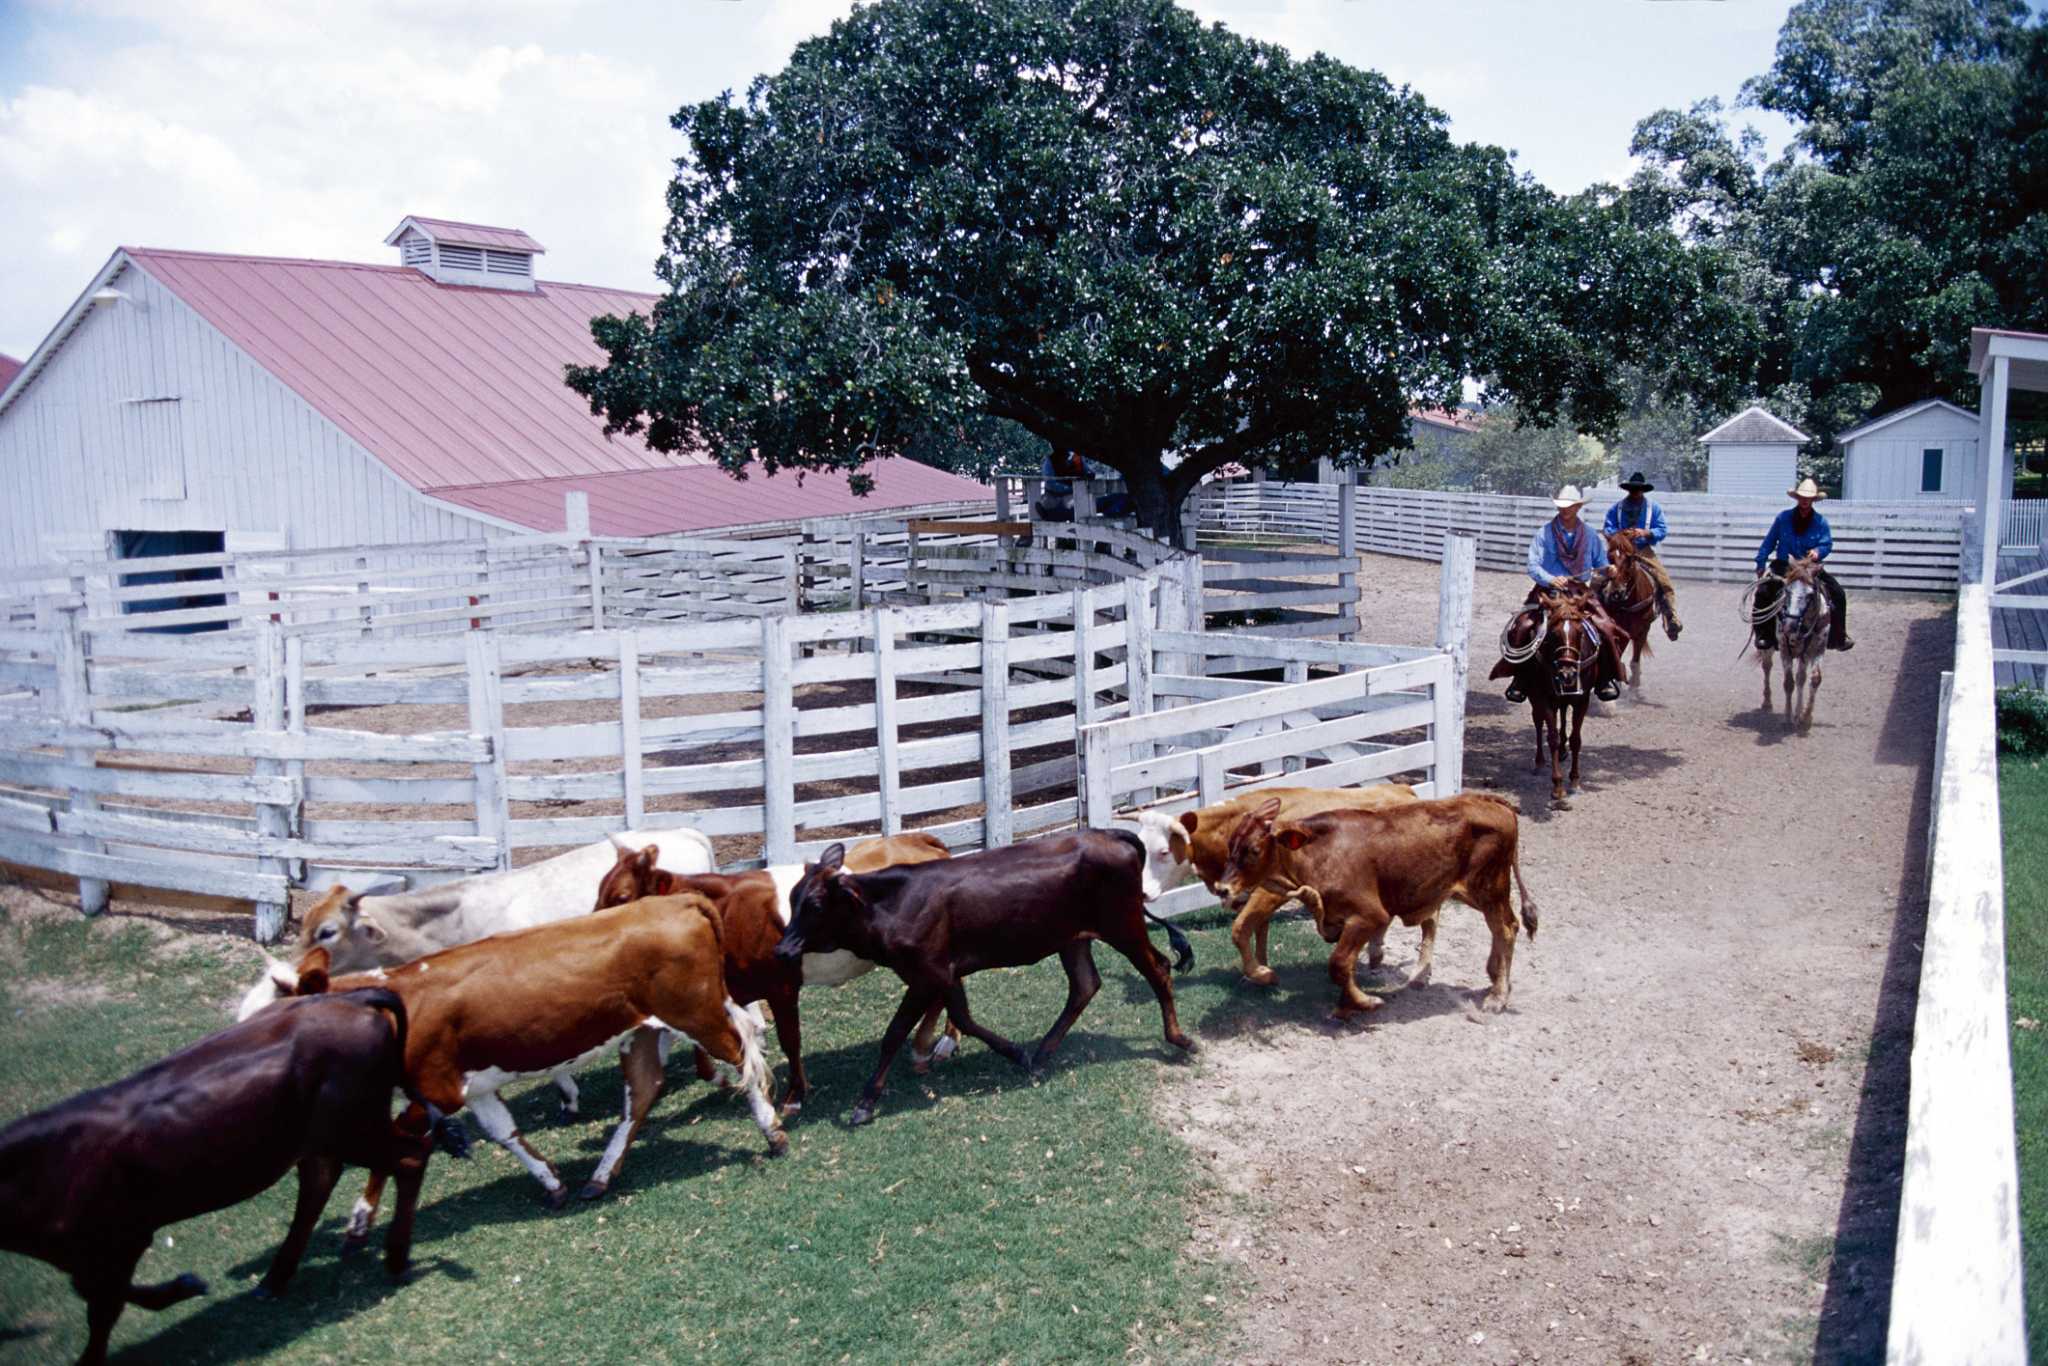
(1802, 617)
(1571, 656)
(1628, 590)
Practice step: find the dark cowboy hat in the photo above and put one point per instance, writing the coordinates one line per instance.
(1635, 483)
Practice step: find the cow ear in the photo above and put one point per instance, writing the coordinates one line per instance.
(1267, 809)
(833, 858)
(313, 973)
(1189, 821)
(648, 857)
(1292, 836)
(370, 930)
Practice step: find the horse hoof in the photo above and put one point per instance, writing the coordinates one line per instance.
(862, 1114)
(556, 1198)
(593, 1190)
(1560, 803)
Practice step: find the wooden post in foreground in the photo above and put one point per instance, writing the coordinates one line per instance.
(75, 702)
(1454, 637)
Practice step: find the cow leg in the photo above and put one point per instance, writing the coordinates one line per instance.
(915, 1001)
(928, 1045)
(1425, 957)
(1500, 918)
(317, 1175)
(160, 1295)
(104, 1302)
(707, 1070)
(733, 1036)
(640, 1070)
(789, 1032)
(1376, 950)
(956, 1010)
(357, 1236)
(1344, 962)
(1083, 981)
(411, 1165)
(497, 1124)
(571, 1096)
(1248, 933)
(1151, 964)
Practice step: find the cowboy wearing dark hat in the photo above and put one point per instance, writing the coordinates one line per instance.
(1643, 521)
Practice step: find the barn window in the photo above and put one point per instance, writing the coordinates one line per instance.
(1930, 470)
(416, 250)
(461, 258)
(182, 582)
(508, 262)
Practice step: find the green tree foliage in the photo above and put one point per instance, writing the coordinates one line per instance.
(1913, 206)
(1128, 233)
(1508, 455)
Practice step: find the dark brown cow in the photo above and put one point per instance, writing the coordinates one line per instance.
(753, 909)
(85, 1185)
(1359, 871)
(932, 924)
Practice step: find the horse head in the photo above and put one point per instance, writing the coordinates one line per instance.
(1569, 646)
(1802, 604)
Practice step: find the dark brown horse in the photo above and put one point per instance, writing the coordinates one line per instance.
(1573, 653)
(1628, 590)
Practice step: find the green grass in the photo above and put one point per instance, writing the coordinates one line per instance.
(982, 1217)
(2023, 808)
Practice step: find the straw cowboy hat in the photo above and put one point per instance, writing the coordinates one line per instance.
(1806, 489)
(1635, 483)
(1570, 497)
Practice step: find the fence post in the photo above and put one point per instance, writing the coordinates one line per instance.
(487, 721)
(295, 724)
(266, 715)
(629, 728)
(1453, 637)
(593, 553)
(1347, 548)
(1097, 806)
(363, 592)
(1084, 659)
(74, 700)
(778, 745)
(996, 813)
(857, 569)
(890, 786)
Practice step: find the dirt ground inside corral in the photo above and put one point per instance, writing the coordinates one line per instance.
(1681, 1142)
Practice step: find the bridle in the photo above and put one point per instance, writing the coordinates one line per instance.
(1566, 656)
(1796, 630)
(1636, 573)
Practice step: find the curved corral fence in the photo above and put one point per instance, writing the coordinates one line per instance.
(417, 714)
(1910, 546)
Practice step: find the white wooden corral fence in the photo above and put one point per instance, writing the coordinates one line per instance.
(1909, 546)
(297, 748)
(1956, 1278)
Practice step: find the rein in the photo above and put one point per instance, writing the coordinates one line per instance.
(1649, 588)
(1747, 609)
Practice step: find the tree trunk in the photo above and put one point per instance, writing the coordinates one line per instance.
(1152, 499)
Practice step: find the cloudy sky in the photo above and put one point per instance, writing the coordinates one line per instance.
(295, 129)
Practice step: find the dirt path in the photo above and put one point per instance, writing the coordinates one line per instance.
(1679, 1142)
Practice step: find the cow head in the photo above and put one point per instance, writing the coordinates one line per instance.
(633, 875)
(1257, 852)
(1169, 851)
(337, 923)
(824, 906)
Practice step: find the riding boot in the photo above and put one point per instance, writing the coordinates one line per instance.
(1668, 610)
(1520, 632)
(1838, 614)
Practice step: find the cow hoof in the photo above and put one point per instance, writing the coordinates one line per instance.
(1493, 1005)
(945, 1048)
(1262, 977)
(1182, 1042)
(592, 1190)
(1420, 979)
(565, 1113)
(453, 1136)
(400, 1274)
(557, 1197)
(862, 1114)
(792, 1109)
(352, 1243)
(778, 1144)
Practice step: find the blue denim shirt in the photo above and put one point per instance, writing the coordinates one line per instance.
(1622, 517)
(1782, 540)
(1544, 563)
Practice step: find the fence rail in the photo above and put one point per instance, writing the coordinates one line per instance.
(1896, 546)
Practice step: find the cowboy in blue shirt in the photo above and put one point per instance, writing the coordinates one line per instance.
(1643, 520)
(1800, 532)
(1564, 551)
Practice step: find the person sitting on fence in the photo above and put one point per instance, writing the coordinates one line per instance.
(1643, 520)
(1056, 501)
(1563, 554)
(1799, 531)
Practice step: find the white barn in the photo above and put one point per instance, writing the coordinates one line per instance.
(192, 402)
(1753, 454)
(1925, 450)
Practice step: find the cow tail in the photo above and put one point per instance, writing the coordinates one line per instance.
(1528, 902)
(1183, 951)
(383, 998)
(753, 1064)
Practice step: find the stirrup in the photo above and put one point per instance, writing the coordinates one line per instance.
(1609, 691)
(1515, 693)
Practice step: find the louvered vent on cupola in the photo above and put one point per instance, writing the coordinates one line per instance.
(466, 253)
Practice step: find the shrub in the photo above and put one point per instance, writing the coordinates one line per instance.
(2022, 720)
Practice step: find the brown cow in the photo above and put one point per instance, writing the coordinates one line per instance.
(520, 1005)
(1358, 871)
(85, 1184)
(754, 911)
(1196, 844)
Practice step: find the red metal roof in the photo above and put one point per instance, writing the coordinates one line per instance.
(473, 234)
(696, 498)
(9, 368)
(1458, 419)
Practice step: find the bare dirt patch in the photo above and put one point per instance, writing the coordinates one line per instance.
(1678, 1143)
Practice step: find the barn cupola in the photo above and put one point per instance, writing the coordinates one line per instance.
(466, 253)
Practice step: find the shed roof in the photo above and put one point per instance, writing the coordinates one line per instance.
(1754, 427)
(466, 234)
(9, 368)
(1900, 414)
(696, 498)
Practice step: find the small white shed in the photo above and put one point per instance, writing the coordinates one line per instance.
(1924, 450)
(1753, 454)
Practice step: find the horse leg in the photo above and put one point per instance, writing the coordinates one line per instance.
(1578, 725)
(1537, 719)
(1792, 664)
(1557, 744)
(1764, 657)
(1812, 691)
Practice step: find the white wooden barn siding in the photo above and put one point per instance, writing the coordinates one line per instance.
(1885, 465)
(258, 462)
(1752, 471)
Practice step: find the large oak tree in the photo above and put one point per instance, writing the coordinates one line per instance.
(1158, 243)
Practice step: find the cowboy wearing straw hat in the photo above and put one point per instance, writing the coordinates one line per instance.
(1563, 551)
(1800, 532)
(1643, 521)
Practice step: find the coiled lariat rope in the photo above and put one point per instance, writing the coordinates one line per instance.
(1521, 654)
(1753, 615)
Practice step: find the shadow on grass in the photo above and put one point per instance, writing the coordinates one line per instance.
(1854, 1315)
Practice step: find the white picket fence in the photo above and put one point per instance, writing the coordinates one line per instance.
(1907, 546)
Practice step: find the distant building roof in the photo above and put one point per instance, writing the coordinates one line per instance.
(1754, 427)
(459, 390)
(1452, 419)
(466, 234)
(1898, 414)
(9, 368)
